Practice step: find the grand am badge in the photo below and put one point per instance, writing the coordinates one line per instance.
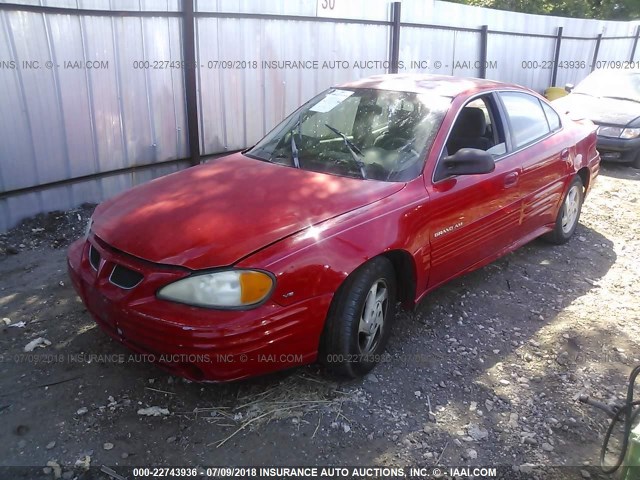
(450, 228)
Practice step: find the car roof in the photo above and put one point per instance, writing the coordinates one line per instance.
(441, 85)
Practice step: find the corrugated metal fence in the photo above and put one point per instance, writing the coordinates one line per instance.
(95, 95)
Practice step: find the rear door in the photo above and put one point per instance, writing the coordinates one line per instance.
(544, 156)
(473, 217)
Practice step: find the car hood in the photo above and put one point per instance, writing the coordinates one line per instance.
(608, 111)
(216, 214)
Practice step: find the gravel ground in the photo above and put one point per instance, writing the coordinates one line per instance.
(487, 371)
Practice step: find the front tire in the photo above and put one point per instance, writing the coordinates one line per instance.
(568, 215)
(636, 161)
(359, 321)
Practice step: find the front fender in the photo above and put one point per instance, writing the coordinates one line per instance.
(317, 260)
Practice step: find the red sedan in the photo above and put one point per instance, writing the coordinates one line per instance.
(299, 248)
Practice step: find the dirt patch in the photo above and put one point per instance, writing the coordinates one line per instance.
(54, 229)
(485, 372)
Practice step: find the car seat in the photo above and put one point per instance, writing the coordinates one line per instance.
(469, 131)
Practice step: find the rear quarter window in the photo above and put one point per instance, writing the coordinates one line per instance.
(552, 117)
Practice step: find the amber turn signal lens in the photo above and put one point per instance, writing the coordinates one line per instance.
(254, 286)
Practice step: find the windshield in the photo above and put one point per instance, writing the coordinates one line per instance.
(611, 84)
(362, 133)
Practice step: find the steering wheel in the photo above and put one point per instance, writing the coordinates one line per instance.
(389, 142)
(400, 144)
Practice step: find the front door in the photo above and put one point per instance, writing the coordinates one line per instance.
(473, 217)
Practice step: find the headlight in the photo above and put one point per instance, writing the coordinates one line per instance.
(630, 133)
(613, 132)
(225, 289)
(87, 229)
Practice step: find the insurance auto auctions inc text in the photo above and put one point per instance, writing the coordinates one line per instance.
(369, 64)
(365, 472)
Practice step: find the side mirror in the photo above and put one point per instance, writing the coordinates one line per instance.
(568, 87)
(468, 161)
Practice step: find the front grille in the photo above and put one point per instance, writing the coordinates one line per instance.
(94, 258)
(124, 277)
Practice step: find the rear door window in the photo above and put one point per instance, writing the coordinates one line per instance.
(527, 119)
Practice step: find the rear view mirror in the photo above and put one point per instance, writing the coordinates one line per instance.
(469, 161)
(568, 87)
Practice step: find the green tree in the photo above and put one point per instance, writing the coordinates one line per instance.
(598, 9)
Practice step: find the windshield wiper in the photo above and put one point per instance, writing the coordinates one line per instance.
(622, 98)
(355, 151)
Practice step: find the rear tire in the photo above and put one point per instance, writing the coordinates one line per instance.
(359, 321)
(568, 214)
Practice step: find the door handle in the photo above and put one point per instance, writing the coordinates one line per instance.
(564, 154)
(510, 179)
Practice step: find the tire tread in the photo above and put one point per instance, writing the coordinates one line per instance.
(337, 335)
